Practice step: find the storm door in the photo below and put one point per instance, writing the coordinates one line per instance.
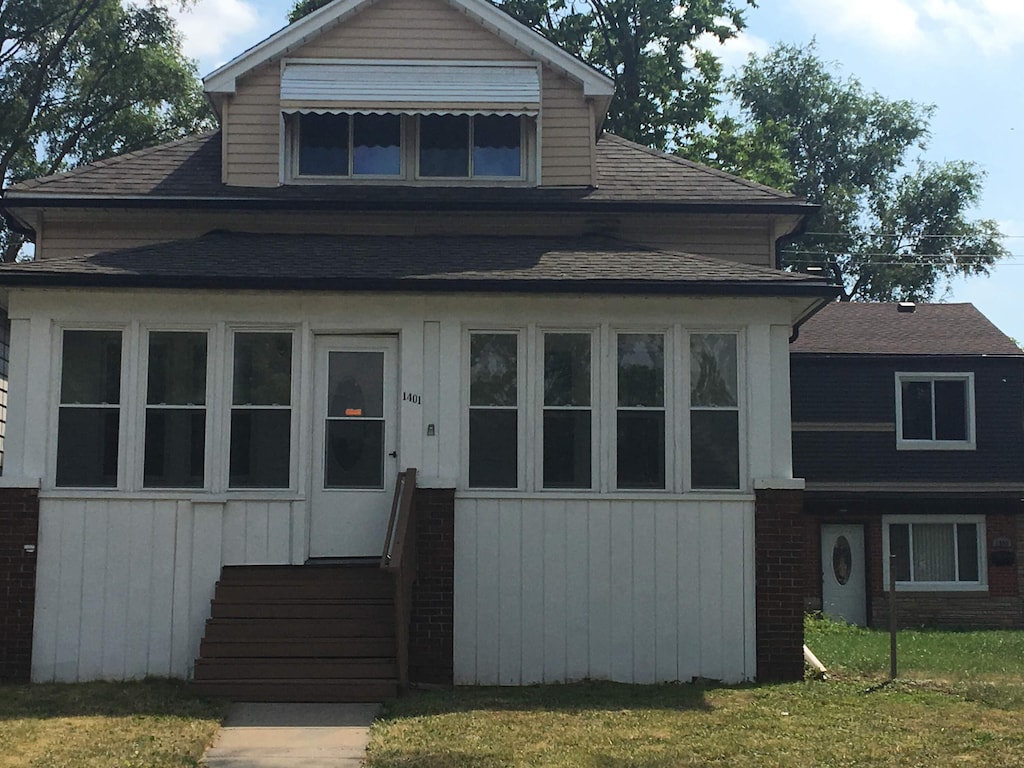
(354, 444)
(843, 585)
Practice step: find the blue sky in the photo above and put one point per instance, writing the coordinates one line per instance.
(964, 56)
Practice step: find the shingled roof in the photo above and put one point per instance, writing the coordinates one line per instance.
(856, 328)
(190, 169)
(329, 262)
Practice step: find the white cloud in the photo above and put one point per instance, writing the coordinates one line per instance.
(968, 27)
(733, 52)
(214, 30)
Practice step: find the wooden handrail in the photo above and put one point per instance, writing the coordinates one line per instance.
(399, 558)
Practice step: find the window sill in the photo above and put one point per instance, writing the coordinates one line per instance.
(564, 495)
(935, 445)
(939, 587)
(196, 495)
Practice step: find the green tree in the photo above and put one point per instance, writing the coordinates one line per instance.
(81, 80)
(665, 84)
(883, 232)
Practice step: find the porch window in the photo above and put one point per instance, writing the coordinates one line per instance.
(936, 552)
(714, 411)
(640, 415)
(261, 415)
(88, 424)
(494, 410)
(568, 416)
(175, 434)
(934, 411)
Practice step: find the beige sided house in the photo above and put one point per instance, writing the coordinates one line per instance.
(410, 246)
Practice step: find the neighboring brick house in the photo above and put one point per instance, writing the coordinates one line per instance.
(409, 245)
(908, 426)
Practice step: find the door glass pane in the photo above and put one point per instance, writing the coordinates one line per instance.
(496, 140)
(444, 145)
(177, 368)
(91, 367)
(714, 449)
(842, 560)
(567, 452)
(377, 145)
(950, 409)
(713, 369)
(641, 365)
(566, 369)
(323, 145)
(354, 453)
(355, 384)
(492, 369)
(916, 402)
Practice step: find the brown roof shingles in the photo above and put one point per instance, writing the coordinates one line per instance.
(190, 168)
(857, 328)
(310, 262)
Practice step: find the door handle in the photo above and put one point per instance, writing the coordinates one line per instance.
(393, 454)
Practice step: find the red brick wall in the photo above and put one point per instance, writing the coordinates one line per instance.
(780, 540)
(433, 608)
(19, 527)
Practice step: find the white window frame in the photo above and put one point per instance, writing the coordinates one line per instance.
(224, 471)
(529, 163)
(123, 406)
(937, 586)
(904, 444)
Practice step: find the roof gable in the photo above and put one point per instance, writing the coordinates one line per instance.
(596, 85)
(861, 328)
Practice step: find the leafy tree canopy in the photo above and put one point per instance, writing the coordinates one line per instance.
(665, 85)
(81, 80)
(885, 231)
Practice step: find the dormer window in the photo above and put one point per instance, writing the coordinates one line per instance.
(410, 121)
(349, 145)
(470, 146)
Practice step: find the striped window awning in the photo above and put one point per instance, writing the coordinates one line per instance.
(410, 87)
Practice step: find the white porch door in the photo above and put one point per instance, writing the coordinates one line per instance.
(843, 582)
(355, 456)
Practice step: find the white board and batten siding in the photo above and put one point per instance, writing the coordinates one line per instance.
(637, 591)
(124, 585)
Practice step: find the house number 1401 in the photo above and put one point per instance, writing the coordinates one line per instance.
(409, 397)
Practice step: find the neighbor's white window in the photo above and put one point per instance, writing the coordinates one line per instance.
(935, 411)
(935, 552)
(89, 415)
(261, 413)
(175, 432)
(494, 410)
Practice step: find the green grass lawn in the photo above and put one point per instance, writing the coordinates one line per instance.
(152, 724)
(960, 701)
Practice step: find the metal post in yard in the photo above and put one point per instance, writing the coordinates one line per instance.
(892, 617)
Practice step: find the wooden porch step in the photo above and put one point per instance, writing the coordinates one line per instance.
(371, 591)
(382, 668)
(302, 609)
(316, 648)
(296, 690)
(304, 574)
(299, 629)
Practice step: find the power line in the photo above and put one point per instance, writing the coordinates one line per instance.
(902, 258)
(902, 234)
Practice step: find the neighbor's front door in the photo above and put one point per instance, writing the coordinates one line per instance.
(843, 586)
(354, 444)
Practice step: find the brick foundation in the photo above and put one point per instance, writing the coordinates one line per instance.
(433, 607)
(779, 543)
(19, 528)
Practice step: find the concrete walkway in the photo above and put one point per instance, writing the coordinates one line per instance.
(290, 735)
